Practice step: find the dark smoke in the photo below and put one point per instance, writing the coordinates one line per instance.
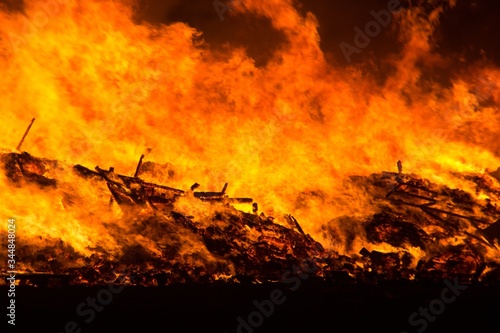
(468, 33)
(12, 5)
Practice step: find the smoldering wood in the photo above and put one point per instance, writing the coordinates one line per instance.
(40, 279)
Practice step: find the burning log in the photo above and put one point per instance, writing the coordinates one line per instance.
(138, 169)
(454, 261)
(255, 208)
(133, 190)
(23, 167)
(391, 230)
(220, 197)
(295, 224)
(426, 199)
(18, 148)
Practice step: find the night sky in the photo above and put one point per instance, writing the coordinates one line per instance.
(467, 34)
(469, 30)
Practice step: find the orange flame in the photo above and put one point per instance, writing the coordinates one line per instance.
(105, 89)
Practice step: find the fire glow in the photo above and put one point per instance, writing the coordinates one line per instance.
(298, 135)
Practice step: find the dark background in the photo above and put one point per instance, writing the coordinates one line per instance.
(468, 34)
(470, 30)
(316, 307)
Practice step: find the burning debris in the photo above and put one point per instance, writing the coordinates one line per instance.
(296, 133)
(256, 247)
(428, 231)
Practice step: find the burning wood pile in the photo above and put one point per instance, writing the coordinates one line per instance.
(264, 104)
(422, 231)
(455, 231)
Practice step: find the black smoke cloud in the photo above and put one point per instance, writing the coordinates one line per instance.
(467, 33)
(12, 5)
(470, 29)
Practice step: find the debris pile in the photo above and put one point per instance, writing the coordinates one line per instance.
(429, 232)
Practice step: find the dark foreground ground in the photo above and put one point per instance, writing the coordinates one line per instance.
(313, 307)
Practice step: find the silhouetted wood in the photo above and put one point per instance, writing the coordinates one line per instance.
(18, 148)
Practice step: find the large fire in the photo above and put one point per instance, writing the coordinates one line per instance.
(289, 133)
